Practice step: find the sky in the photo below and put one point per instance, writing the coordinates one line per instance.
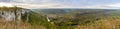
(37, 4)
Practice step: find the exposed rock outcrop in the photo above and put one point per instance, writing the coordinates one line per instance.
(14, 13)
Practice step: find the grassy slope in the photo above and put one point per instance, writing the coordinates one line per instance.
(110, 22)
(107, 20)
(39, 19)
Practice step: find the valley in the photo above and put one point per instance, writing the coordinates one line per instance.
(21, 18)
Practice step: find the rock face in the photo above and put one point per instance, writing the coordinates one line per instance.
(14, 13)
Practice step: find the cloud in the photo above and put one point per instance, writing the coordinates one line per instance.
(107, 6)
(31, 6)
(39, 6)
(35, 4)
(29, 1)
(6, 4)
(115, 5)
(56, 5)
(6, 0)
(48, 5)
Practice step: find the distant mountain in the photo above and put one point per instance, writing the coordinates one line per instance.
(66, 10)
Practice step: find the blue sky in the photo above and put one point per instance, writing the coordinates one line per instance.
(62, 3)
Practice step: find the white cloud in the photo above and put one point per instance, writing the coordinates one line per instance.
(57, 5)
(6, 4)
(107, 6)
(36, 4)
(51, 5)
(115, 5)
(46, 5)
(33, 1)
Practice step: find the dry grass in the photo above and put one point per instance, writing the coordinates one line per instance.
(103, 24)
(20, 25)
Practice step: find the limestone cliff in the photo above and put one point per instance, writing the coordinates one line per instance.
(14, 13)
